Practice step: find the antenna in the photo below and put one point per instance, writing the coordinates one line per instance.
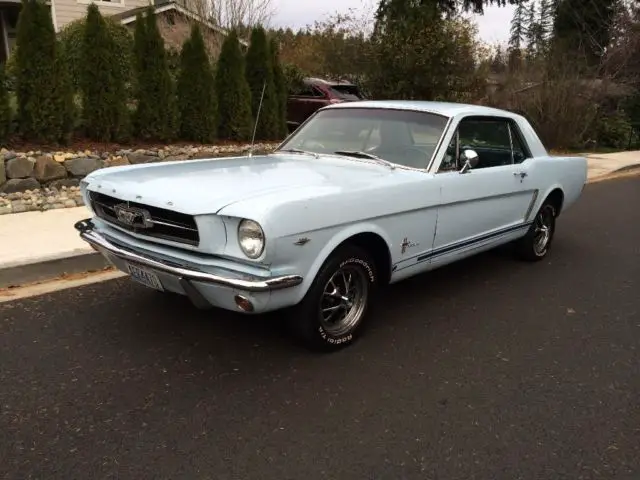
(255, 125)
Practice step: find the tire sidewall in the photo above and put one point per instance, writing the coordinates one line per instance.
(528, 249)
(306, 318)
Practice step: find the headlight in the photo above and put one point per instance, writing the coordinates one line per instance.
(251, 238)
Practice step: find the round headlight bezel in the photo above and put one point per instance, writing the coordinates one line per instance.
(245, 227)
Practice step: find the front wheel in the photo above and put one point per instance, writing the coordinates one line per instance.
(332, 313)
(535, 245)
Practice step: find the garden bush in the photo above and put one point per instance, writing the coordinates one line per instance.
(155, 115)
(234, 96)
(280, 83)
(5, 110)
(72, 41)
(259, 73)
(104, 98)
(197, 100)
(43, 89)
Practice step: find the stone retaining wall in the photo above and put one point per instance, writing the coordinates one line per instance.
(31, 181)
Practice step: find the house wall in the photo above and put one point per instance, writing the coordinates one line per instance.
(175, 28)
(66, 11)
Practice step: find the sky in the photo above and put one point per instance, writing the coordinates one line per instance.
(493, 26)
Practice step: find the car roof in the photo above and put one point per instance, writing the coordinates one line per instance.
(329, 83)
(447, 109)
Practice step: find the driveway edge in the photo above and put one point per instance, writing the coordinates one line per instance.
(41, 271)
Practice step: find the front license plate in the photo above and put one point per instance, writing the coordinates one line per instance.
(145, 277)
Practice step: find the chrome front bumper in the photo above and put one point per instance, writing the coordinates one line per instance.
(186, 275)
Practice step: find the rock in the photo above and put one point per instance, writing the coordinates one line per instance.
(9, 155)
(116, 162)
(19, 206)
(6, 209)
(70, 204)
(82, 166)
(19, 185)
(3, 174)
(141, 157)
(67, 182)
(173, 158)
(20, 167)
(47, 169)
(201, 155)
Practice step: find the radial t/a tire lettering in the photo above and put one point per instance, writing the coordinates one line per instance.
(332, 313)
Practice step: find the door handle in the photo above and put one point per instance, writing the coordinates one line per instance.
(520, 174)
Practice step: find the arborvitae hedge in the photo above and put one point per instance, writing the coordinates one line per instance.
(234, 96)
(259, 72)
(5, 109)
(282, 89)
(104, 99)
(155, 116)
(197, 101)
(72, 45)
(43, 93)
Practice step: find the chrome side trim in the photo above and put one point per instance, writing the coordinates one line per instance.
(251, 284)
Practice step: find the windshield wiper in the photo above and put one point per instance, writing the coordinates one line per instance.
(360, 154)
(297, 150)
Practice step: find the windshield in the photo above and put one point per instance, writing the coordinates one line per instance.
(403, 137)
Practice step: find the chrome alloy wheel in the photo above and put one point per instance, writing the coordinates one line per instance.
(344, 299)
(543, 229)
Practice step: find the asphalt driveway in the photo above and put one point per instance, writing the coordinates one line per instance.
(488, 369)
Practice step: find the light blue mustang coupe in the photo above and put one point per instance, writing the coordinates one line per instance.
(361, 195)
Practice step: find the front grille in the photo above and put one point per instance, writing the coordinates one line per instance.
(146, 220)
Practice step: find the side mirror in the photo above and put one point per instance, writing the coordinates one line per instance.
(470, 159)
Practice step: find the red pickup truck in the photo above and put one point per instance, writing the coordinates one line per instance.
(313, 93)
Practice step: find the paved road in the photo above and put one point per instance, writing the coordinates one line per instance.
(491, 369)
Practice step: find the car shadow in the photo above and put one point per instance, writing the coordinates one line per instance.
(219, 330)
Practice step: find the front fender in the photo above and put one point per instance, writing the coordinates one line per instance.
(321, 245)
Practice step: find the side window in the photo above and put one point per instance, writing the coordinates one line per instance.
(491, 138)
(485, 134)
(520, 151)
(449, 162)
(304, 90)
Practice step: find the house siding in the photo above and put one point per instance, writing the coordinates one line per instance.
(66, 11)
(175, 28)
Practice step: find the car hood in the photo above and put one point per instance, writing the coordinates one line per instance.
(206, 186)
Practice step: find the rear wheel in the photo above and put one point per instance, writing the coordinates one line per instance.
(535, 245)
(332, 313)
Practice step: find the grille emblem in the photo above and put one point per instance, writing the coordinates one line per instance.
(132, 216)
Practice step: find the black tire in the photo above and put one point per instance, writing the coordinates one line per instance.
(535, 245)
(306, 319)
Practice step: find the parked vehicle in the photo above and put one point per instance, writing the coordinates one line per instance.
(362, 195)
(315, 93)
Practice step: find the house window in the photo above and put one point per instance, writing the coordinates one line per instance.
(11, 24)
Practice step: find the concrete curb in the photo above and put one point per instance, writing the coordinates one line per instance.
(41, 271)
(627, 168)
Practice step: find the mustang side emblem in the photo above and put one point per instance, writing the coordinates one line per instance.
(406, 244)
(132, 216)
